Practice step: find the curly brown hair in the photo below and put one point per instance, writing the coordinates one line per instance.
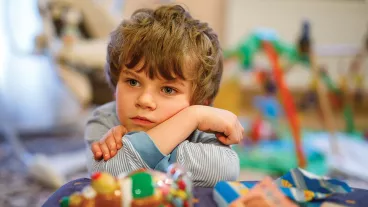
(169, 40)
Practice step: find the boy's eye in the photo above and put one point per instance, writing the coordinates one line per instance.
(133, 82)
(168, 90)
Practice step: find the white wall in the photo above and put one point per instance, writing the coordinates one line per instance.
(338, 25)
(333, 21)
(335, 24)
(210, 11)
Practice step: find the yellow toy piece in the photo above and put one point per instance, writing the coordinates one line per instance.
(343, 83)
(75, 199)
(313, 83)
(104, 183)
(230, 96)
(359, 81)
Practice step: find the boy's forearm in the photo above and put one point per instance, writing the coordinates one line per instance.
(175, 130)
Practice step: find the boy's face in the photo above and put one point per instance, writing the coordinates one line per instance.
(143, 103)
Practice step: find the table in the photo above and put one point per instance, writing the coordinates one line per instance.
(204, 195)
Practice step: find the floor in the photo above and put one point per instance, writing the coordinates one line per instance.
(35, 104)
(18, 189)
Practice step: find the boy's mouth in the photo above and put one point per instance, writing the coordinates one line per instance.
(139, 120)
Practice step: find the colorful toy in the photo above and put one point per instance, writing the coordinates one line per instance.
(266, 79)
(341, 98)
(356, 68)
(261, 129)
(287, 102)
(246, 51)
(266, 194)
(356, 96)
(358, 78)
(264, 126)
(305, 50)
(267, 41)
(297, 185)
(365, 135)
(141, 188)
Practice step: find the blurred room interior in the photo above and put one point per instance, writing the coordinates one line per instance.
(52, 56)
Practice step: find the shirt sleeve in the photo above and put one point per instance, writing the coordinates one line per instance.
(126, 160)
(208, 163)
(138, 151)
(206, 160)
(101, 121)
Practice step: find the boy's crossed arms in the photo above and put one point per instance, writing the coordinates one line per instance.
(206, 156)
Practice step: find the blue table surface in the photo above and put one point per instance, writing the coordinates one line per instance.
(357, 198)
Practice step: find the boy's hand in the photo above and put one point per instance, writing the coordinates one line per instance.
(223, 123)
(107, 147)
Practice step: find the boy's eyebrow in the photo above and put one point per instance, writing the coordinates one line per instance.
(127, 72)
(174, 81)
(135, 75)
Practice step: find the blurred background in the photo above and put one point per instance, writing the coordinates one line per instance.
(295, 74)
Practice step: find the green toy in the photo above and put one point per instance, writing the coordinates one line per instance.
(246, 50)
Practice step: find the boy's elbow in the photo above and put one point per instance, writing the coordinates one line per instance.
(225, 169)
(229, 167)
(233, 173)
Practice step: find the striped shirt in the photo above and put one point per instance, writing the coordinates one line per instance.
(206, 160)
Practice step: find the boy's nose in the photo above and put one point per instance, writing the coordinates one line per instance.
(146, 101)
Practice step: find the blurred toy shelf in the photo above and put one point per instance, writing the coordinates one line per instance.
(242, 103)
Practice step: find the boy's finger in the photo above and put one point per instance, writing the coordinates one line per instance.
(110, 142)
(224, 141)
(241, 129)
(121, 129)
(105, 151)
(118, 134)
(228, 140)
(243, 132)
(97, 153)
(222, 138)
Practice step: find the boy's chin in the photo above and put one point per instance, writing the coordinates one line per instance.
(137, 129)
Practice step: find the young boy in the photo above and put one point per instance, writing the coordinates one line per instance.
(165, 68)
